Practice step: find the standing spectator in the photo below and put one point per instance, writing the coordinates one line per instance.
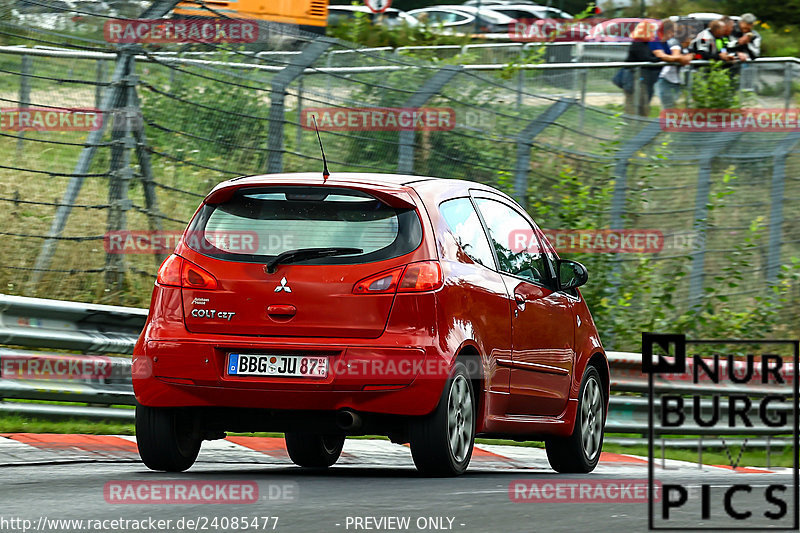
(745, 41)
(646, 47)
(707, 44)
(668, 86)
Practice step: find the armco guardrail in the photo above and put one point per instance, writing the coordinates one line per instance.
(80, 378)
(103, 381)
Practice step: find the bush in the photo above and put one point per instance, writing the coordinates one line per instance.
(714, 88)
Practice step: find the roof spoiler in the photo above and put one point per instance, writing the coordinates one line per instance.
(397, 198)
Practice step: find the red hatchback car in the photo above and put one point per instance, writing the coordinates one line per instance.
(368, 304)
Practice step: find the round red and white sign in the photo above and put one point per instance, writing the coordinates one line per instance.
(377, 6)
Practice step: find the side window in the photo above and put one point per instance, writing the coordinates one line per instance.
(466, 226)
(504, 224)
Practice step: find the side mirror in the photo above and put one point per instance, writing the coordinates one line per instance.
(571, 274)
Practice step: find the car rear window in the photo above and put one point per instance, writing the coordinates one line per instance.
(257, 224)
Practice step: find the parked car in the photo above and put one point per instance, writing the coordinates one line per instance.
(391, 17)
(428, 310)
(59, 15)
(486, 3)
(524, 11)
(461, 19)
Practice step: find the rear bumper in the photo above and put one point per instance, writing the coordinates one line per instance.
(393, 380)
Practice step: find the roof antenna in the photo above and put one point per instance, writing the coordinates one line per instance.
(325, 172)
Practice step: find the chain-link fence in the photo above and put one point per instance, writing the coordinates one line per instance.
(174, 121)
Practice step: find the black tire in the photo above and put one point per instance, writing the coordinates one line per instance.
(580, 452)
(442, 442)
(168, 438)
(311, 450)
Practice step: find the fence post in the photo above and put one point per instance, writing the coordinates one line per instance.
(277, 97)
(434, 84)
(697, 272)
(583, 75)
(119, 179)
(24, 92)
(639, 141)
(637, 91)
(787, 81)
(299, 135)
(143, 156)
(620, 197)
(776, 205)
(100, 73)
(111, 95)
(525, 141)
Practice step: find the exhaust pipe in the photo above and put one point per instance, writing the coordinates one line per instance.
(348, 420)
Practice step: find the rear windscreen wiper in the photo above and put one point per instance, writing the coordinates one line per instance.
(292, 256)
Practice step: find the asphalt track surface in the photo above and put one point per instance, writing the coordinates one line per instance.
(47, 478)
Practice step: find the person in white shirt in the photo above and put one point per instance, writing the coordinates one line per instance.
(669, 87)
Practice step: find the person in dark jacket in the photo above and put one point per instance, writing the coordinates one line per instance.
(650, 46)
(745, 40)
(707, 43)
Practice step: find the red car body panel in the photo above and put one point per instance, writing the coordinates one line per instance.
(388, 354)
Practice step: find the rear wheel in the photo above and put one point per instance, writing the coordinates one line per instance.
(168, 439)
(442, 442)
(312, 450)
(580, 452)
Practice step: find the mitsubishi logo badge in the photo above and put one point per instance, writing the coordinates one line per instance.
(283, 286)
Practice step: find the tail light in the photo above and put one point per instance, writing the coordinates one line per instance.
(169, 273)
(423, 276)
(416, 277)
(176, 271)
(194, 277)
(383, 283)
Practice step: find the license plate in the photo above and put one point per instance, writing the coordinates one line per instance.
(241, 364)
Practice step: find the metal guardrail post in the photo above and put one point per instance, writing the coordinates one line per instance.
(525, 141)
(787, 81)
(434, 84)
(697, 272)
(274, 159)
(26, 69)
(776, 205)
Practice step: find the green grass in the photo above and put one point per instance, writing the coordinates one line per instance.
(22, 424)
(782, 458)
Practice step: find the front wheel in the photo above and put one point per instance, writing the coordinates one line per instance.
(442, 442)
(168, 438)
(580, 452)
(312, 450)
